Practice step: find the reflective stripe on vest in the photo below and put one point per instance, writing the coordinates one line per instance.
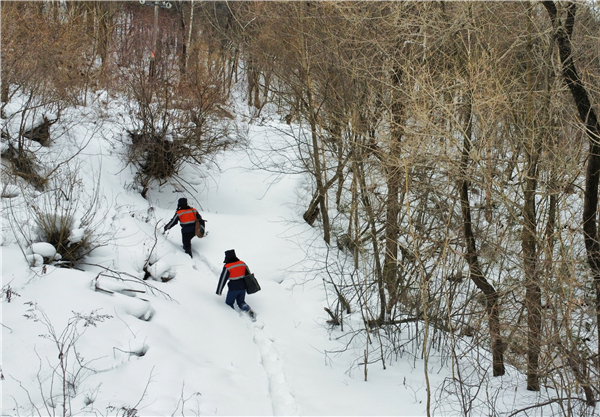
(236, 270)
(187, 216)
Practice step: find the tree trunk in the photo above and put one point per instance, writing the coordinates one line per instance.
(312, 212)
(364, 196)
(477, 276)
(533, 295)
(181, 36)
(186, 44)
(154, 52)
(393, 182)
(321, 190)
(103, 11)
(592, 128)
(5, 92)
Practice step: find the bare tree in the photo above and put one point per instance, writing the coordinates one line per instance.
(563, 32)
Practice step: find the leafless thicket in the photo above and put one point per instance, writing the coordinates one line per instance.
(58, 53)
(448, 146)
(451, 147)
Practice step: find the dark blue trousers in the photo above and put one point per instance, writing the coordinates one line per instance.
(186, 239)
(237, 296)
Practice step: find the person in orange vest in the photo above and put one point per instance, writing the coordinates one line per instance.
(186, 216)
(234, 271)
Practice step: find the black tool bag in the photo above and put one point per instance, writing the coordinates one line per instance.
(252, 285)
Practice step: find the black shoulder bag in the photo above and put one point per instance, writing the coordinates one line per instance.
(252, 285)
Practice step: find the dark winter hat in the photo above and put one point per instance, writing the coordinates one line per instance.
(182, 202)
(230, 256)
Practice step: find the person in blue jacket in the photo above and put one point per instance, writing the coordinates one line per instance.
(233, 274)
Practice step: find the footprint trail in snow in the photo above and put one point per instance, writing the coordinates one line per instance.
(282, 400)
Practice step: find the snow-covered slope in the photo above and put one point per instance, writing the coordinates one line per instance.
(169, 345)
(174, 347)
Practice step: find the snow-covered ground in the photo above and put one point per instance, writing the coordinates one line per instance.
(173, 347)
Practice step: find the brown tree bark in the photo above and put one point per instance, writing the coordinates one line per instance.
(312, 118)
(533, 294)
(104, 17)
(477, 275)
(181, 37)
(393, 181)
(4, 92)
(587, 114)
(366, 201)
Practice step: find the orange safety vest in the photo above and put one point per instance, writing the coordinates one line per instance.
(236, 270)
(187, 216)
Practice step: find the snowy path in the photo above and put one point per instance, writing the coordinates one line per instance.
(284, 403)
(281, 398)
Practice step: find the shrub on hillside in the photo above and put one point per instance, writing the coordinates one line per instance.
(175, 120)
(66, 215)
(154, 156)
(73, 244)
(24, 165)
